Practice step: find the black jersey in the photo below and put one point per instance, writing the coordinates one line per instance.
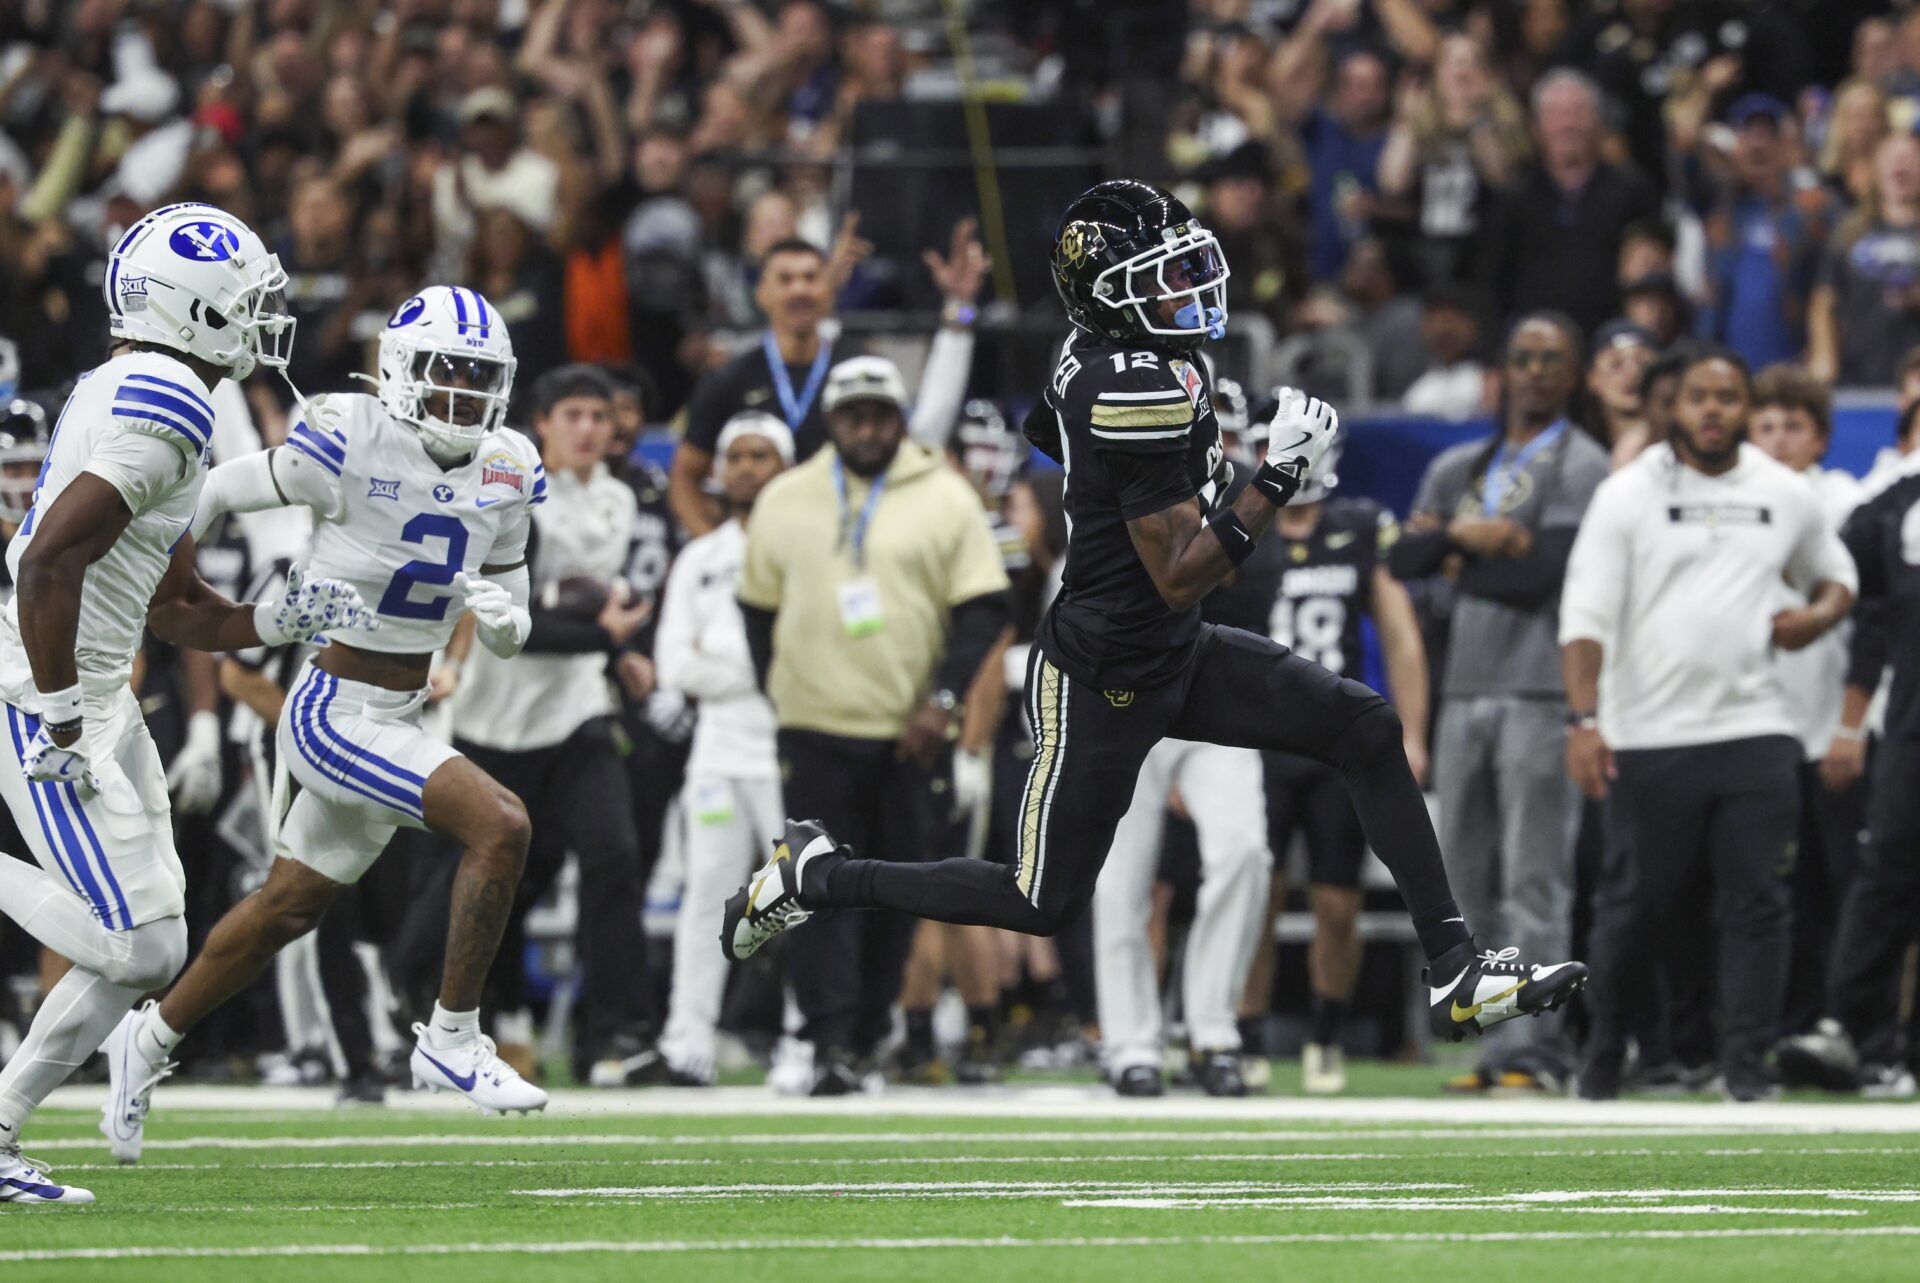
(1877, 536)
(1137, 435)
(1309, 594)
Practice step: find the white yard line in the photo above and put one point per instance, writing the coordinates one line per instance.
(644, 1247)
(1074, 1102)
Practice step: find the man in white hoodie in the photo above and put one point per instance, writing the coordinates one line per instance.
(731, 801)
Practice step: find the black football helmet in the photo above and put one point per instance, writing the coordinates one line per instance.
(23, 448)
(987, 448)
(1123, 249)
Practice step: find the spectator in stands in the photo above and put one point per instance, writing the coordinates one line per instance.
(1693, 565)
(1766, 228)
(731, 805)
(785, 371)
(872, 591)
(492, 171)
(1454, 143)
(1866, 309)
(1793, 424)
(1257, 234)
(1553, 241)
(1855, 131)
(515, 269)
(323, 292)
(1343, 138)
(1616, 373)
(1506, 508)
(1454, 384)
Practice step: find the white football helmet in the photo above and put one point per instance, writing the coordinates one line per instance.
(447, 340)
(194, 278)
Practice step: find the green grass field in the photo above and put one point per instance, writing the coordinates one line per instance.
(1058, 1183)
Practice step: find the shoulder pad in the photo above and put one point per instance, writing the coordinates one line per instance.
(160, 397)
(324, 441)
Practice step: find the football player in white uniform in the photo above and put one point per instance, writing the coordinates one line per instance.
(103, 554)
(422, 500)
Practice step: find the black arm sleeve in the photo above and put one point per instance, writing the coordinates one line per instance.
(977, 624)
(1418, 554)
(1867, 650)
(554, 632)
(759, 624)
(1525, 583)
(1042, 429)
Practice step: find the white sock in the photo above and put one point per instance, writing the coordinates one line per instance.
(154, 1038)
(453, 1028)
(9, 1136)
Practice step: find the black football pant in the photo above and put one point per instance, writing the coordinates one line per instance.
(1881, 914)
(1241, 690)
(1724, 815)
(847, 968)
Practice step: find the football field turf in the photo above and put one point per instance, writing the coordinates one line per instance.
(1045, 1183)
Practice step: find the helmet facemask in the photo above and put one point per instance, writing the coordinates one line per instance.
(454, 398)
(23, 454)
(1188, 270)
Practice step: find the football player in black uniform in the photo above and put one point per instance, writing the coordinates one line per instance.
(1123, 660)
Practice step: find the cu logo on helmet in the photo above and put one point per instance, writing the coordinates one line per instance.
(205, 242)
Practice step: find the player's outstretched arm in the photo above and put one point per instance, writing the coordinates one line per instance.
(186, 611)
(80, 527)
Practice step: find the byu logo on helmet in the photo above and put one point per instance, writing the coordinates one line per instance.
(408, 312)
(205, 241)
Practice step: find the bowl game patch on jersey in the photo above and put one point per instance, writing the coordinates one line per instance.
(502, 469)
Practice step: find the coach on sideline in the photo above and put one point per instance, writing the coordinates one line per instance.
(1695, 565)
(871, 592)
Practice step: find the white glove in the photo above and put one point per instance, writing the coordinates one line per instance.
(503, 624)
(45, 762)
(309, 608)
(972, 783)
(194, 776)
(1303, 428)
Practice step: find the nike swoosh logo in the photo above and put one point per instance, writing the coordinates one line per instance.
(486, 503)
(466, 1084)
(1463, 1014)
(1339, 541)
(1304, 438)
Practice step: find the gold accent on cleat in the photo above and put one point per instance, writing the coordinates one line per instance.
(1463, 1014)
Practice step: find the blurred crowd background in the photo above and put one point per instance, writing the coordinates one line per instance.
(1393, 182)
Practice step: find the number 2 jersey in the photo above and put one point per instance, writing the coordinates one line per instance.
(1309, 594)
(1134, 427)
(143, 423)
(399, 527)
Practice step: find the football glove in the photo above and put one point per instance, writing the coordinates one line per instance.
(972, 783)
(308, 608)
(45, 762)
(503, 623)
(193, 778)
(1303, 428)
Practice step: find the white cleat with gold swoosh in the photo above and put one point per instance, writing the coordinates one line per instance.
(770, 902)
(1493, 986)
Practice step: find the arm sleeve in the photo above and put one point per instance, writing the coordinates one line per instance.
(1867, 649)
(1595, 591)
(759, 626)
(1525, 583)
(275, 478)
(707, 413)
(977, 623)
(142, 468)
(1418, 554)
(943, 387)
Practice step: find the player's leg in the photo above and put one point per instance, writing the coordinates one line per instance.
(1282, 776)
(1468, 787)
(1126, 981)
(1225, 795)
(723, 840)
(1336, 848)
(1249, 692)
(1088, 746)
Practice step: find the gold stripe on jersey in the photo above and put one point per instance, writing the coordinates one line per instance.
(1142, 416)
(1050, 728)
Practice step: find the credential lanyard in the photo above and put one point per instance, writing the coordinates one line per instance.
(854, 533)
(795, 410)
(1502, 471)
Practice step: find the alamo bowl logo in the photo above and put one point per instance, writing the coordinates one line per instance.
(408, 312)
(502, 469)
(205, 241)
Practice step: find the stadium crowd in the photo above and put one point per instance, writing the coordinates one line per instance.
(1525, 216)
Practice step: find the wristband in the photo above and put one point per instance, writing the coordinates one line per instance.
(60, 710)
(957, 315)
(1851, 734)
(1278, 484)
(1235, 539)
(1583, 721)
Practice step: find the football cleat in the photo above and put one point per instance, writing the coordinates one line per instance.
(474, 1070)
(770, 902)
(1323, 1070)
(25, 1183)
(1495, 986)
(1823, 1057)
(131, 1078)
(1140, 1080)
(1218, 1073)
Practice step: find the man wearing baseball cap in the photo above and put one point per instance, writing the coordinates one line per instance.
(872, 590)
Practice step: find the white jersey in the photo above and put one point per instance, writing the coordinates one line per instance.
(398, 526)
(142, 422)
(701, 651)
